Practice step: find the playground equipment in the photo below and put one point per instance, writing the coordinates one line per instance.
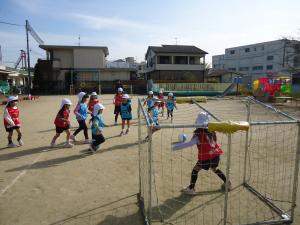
(4, 87)
(270, 87)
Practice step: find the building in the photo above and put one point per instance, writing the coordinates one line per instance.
(273, 58)
(82, 67)
(221, 76)
(175, 62)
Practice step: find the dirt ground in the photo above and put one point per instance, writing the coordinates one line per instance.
(39, 185)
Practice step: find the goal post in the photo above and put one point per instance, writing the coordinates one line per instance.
(262, 163)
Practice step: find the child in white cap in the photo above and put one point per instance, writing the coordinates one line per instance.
(92, 101)
(170, 104)
(149, 100)
(126, 114)
(209, 152)
(62, 123)
(118, 101)
(162, 103)
(81, 112)
(12, 121)
(97, 127)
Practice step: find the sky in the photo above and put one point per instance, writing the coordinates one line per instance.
(128, 27)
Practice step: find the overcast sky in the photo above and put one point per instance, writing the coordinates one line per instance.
(128, 27)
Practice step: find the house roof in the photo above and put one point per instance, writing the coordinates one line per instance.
(188, 49)
(49, 47)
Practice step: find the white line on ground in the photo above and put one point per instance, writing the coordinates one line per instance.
(23, 172)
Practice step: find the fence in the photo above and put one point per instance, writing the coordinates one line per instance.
(262, 165)
(191, 86)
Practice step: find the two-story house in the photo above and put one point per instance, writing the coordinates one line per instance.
(175, 62)
(84, 67)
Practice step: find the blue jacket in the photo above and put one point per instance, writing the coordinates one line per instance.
(81, 111)
(126, 111)
(97, 125)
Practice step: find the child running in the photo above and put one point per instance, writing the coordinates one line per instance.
(12, 121)
(149, 100)
(93, 100)
(118, 102)
(209, 153)
(81, 112)
(162, 104)
(154, 114)
(126, 114)
(171, 104)
(97, 128)
(62, 123)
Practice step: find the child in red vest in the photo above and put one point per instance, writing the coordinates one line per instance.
(12, 121)
(209, 153)
(118, 102)
(93, 101)
(62, 123)
(162, 103)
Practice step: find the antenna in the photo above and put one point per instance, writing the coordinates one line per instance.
(79, 40)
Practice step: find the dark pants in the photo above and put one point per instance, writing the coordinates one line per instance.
(82, 126)
(98, 139)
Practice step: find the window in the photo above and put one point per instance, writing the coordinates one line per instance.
(262, 48)
(164, 60)
(247, 49)
(270, 57)
(232, 52)
(243, 68)
(297, 61)
(232, 69)
(269, 67)
(254, 49)
(255, 68)
(215, 65)
(181, 59)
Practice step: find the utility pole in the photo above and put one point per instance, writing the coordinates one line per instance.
(28, 58)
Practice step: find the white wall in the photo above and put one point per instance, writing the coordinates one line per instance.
(65, 56)
(89, 58)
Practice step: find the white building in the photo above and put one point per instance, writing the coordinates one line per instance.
(273, 58)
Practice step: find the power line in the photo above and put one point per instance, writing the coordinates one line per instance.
(12, 24)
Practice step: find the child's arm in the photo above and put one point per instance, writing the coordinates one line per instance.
(8, 118)
(76, 110)
(179, 146)
(129, 108)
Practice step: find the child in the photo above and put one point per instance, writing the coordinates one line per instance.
(162, 104)
(97, 127)
(149, 101)
(81, 112)
(208, 153)
(12, 121)
(154, 113)
(118, 102)
(62, 123)
(93, 100)
(125, 113)
(171, 104)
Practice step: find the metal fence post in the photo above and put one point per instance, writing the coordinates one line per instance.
(150, 174)
(139, 140)
(246, 141)
(296, 171)
(229, 146)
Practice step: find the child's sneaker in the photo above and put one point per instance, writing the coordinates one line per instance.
(72, 137)
(92, 149)
(115, 123)
(127, 131)
(21, 143)
(188, 191)
(122, 133)
(52, 144)
(87, 141)
(223, 186)
(69, 145)
(12, 145)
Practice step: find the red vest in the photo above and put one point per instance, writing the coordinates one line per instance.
(59, 123)
(14, 114)
(207, 149)
(118, 100)
(91, 104)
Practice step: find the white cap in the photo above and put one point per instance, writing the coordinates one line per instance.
(97, 107)
(202, 119)
(80, 95)
(170, 94)
(94, 93)
(65, 101)
(12, 98)
(126, 96)
(150, 93)
(120, 89)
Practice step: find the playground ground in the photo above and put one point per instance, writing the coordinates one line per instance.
(46, 186)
